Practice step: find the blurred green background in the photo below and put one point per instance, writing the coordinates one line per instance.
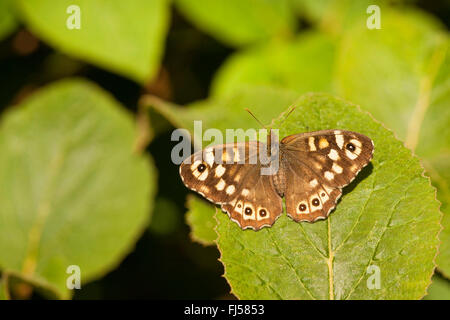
(187, 50)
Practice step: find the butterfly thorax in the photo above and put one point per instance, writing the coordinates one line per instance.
(276, 155)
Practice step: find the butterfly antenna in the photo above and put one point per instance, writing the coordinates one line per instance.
(289, 113)
(246, 109)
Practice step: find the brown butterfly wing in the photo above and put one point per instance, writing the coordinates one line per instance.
(317, 166)
(229, 175)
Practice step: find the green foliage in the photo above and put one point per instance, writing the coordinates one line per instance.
(401, 74)
(336, 16)
(201, 221)
(240, 22)
(74, 191)
(126, 38)
(8, 21)
(77, 190)
(303, 64)
(165, 218)
(389, 217)
(439, 289)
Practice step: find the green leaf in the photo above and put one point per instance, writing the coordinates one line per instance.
(388, 217)
(392, 71)
(311, 55)
(439, 289)
(124, 38)
(401, 74)
(240, 22)
(8, 20)
(73, 190)
(165, 217)
(336, 16)
(200, 218)
(403, 78)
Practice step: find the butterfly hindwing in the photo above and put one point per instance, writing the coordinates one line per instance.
(318, 165)
(256, 204)
(308, 197)
(229, 175)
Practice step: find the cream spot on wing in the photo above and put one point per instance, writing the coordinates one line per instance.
(354, 168)
(333, 155)
(195, 165)
(318, 165)
(313, 183)
(239, 207)
(329, 175)
(220, 185)
(323, 143)
(328, 189)
(351, 155)
(204, 189)
(196, 173)
(245, 192)
(237, 178)
(203, 175)
(209, 157)
(340, 140)
(230, 189)
(356, 143)
(357, 151)
(337, 168)
(220, 170)
(236, 153)
(312, 146)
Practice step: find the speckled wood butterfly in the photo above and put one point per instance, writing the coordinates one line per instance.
(313, 168)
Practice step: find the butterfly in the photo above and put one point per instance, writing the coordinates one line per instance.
(313, 167)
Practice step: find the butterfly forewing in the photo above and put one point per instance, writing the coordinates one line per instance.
(229, 175)
(318, 165)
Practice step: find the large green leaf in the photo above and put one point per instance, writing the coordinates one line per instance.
(124, 37)
(387, 218)
(304, 64)
(201, 221)
(403, 77)
(73, 190)
(439, 289)
(336, 16)
(8, 20)
(240, 22)
(401, 74)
